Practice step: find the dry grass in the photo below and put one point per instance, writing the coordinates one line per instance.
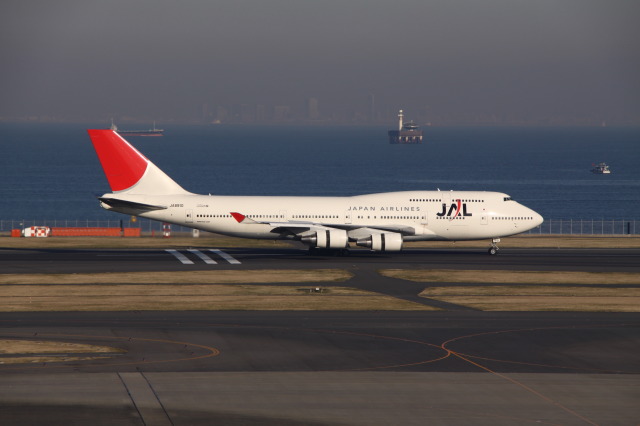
(21, 298)
(541, 241)
(46, 359)
(184, 277)
(539, 298)
(39, 351)
(512, 277)
(212, 240)
(43, 346)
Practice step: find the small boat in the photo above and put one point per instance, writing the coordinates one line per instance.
(150, 132)
(601, 169)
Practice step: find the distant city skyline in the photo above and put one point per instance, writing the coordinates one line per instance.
(570, 62)
(311, 111)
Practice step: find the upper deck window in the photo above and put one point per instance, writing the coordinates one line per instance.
(507, 198)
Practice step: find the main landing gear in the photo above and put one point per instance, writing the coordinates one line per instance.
(493, 250)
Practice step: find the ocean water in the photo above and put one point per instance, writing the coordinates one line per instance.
(51, 171)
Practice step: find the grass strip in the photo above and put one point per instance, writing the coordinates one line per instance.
(539, 298)
(47, 359)
(541, 241)
(218, 241)
(257, 276)
(39, 351)
(13, 346)
(512, 277)
(106, 297)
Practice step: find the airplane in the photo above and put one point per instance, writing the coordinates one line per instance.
(381, 222)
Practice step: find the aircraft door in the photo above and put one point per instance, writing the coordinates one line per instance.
(347, 217)
(484, 218)
(424, 218)
(188, 218)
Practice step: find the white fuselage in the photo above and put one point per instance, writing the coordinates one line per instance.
(418, 215)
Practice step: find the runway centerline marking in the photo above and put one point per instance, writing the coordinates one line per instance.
(206, 259)
(181, 257)
(225, 256)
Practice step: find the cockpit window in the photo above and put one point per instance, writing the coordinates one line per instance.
(507, 198)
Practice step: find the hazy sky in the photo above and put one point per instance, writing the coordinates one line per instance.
(535, 59)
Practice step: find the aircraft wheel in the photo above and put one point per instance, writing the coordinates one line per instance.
(493, 251)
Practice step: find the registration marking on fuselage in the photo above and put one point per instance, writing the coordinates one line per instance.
(181, 257)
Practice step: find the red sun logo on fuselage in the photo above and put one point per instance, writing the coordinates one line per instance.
(458, 205)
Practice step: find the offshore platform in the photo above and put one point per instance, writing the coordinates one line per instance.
(408, 132)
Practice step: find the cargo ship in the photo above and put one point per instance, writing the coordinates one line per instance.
(408, 132)
(150, 132)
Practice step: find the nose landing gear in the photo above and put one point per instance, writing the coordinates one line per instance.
(493, 250)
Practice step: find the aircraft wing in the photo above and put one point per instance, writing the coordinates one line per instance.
(297, 227)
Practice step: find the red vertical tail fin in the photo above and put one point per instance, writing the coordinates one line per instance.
(126, 169)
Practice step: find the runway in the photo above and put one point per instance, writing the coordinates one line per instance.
(203, 258)
(349, 368)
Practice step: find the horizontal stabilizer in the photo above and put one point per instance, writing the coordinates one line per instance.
(118, 204)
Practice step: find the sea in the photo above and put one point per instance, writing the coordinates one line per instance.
(50, 171)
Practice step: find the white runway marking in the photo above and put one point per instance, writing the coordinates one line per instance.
(206, 259)
(225, 256)
(181, 257)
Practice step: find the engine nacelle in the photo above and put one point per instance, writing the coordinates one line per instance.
(329, 238)
(388, 241)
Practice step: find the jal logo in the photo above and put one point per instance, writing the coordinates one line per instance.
(455, 209)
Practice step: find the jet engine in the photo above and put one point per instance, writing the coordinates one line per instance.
(327, 238)
(388, 241)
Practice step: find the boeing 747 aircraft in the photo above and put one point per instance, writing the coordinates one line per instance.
(381, 222)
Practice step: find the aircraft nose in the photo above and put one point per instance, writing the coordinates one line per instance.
(537, 218)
